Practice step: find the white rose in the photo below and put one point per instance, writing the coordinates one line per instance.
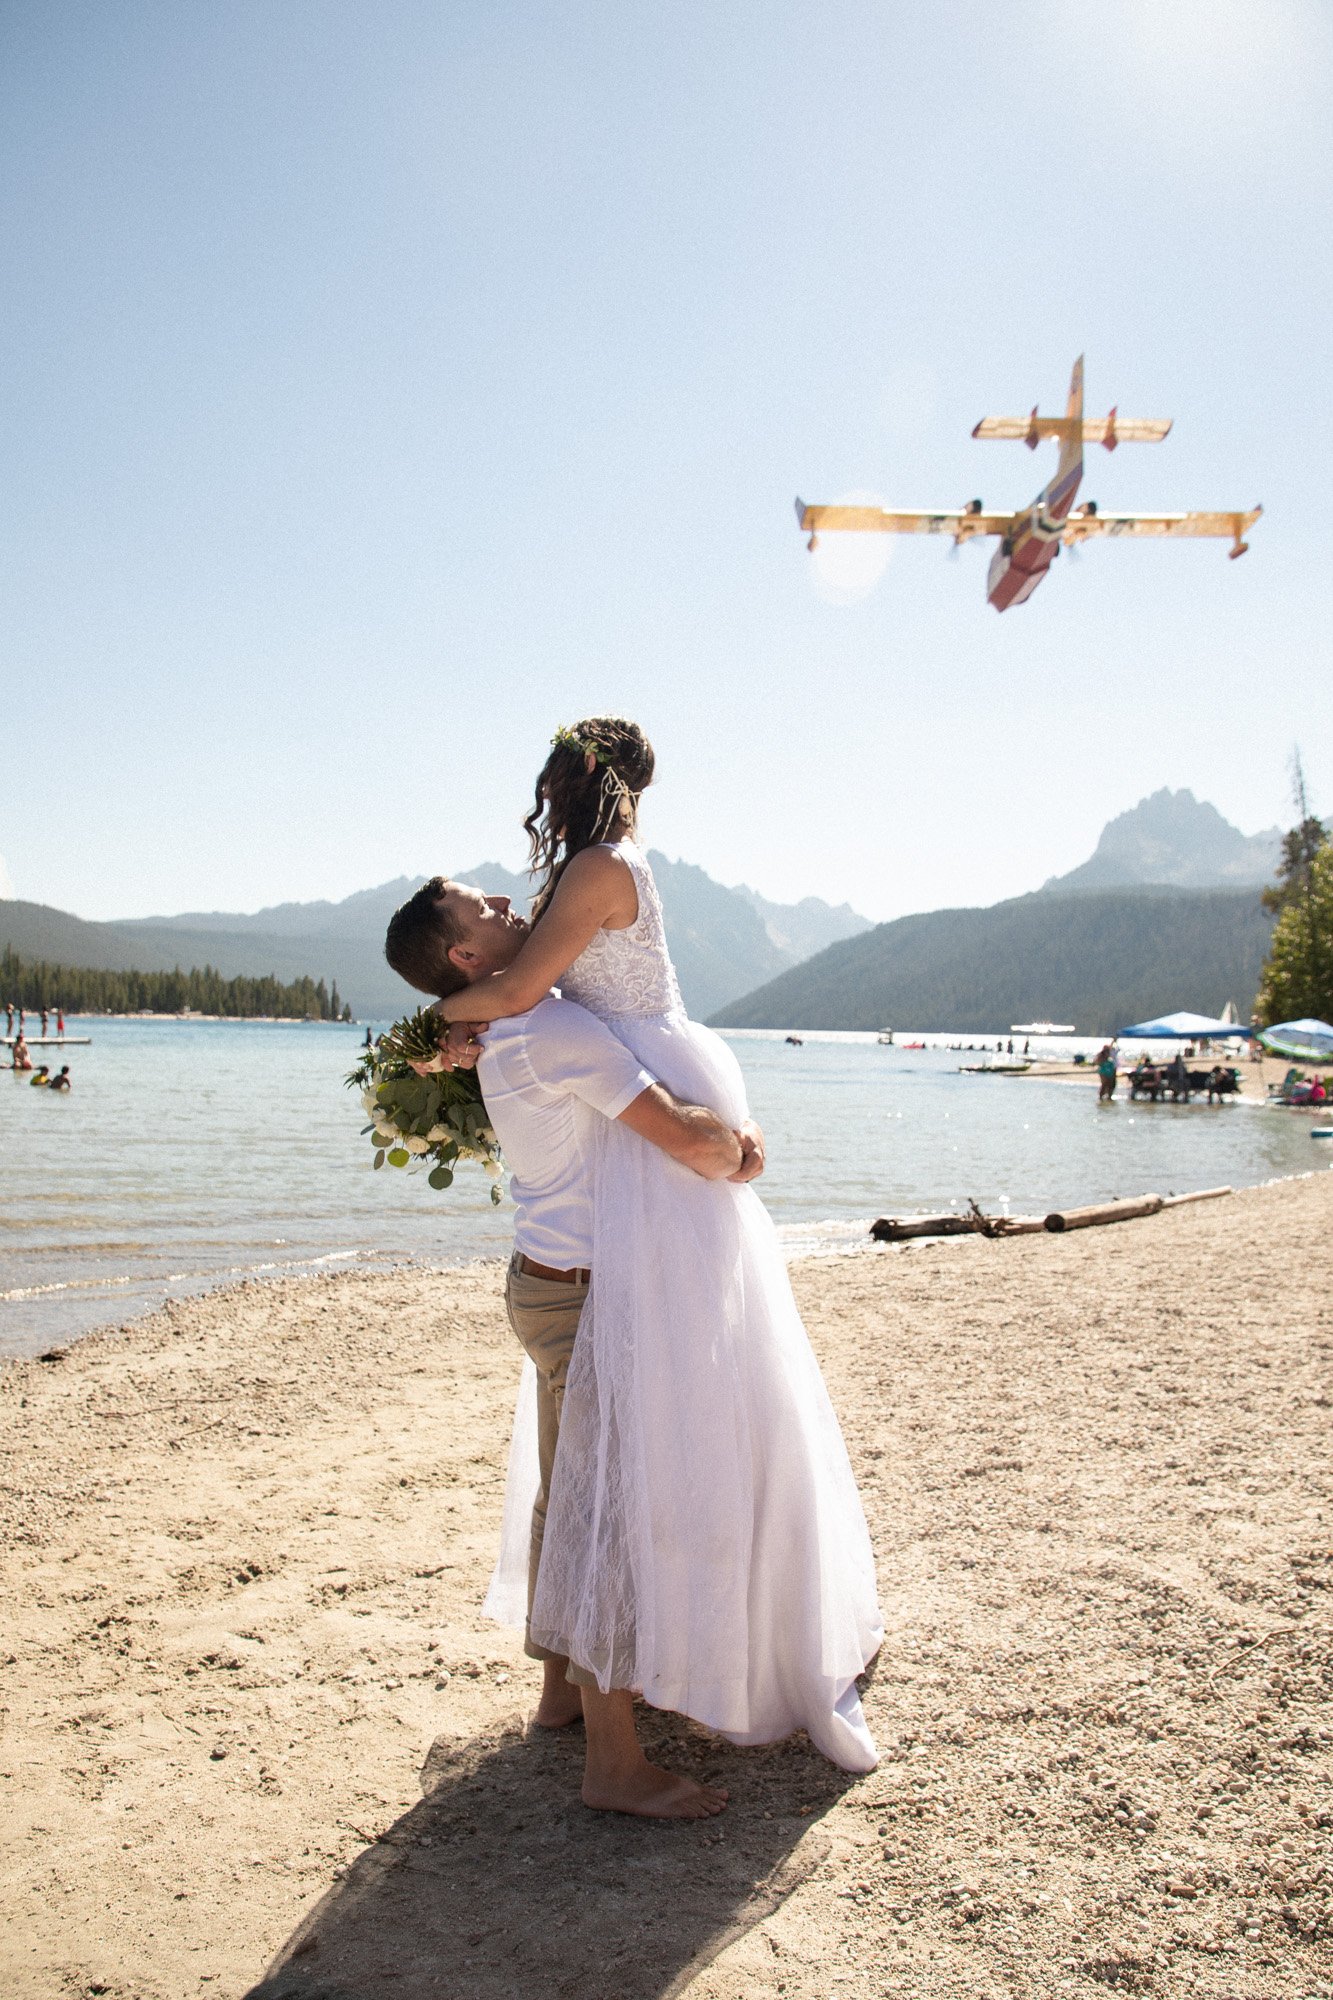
(437, 1134)
(493, 1168)
(415, 1145)
(370, 1103)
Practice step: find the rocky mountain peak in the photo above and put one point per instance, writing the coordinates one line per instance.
(1174, 840)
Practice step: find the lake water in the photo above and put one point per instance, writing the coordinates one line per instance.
(194, 1153)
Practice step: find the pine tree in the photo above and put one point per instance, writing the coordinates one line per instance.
(1298, 976)
(1298, 980)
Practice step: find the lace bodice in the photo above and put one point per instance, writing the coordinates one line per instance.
(629, 971)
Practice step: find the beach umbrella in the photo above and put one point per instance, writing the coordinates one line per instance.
(1311, 1041)
(1181, 1028)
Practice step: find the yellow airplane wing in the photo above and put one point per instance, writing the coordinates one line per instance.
(961, 523)
(1226, 526)
(1113, 429)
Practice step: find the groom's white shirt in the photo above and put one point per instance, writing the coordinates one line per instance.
(548, 1076)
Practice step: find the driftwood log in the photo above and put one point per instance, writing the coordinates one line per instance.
(892, 1229)
(1106, 1211)
(900, 1229)
(896, 1229)
(1204, 1194)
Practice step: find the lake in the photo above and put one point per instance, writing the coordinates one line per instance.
(195, 1153)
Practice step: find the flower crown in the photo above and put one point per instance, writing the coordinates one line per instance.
(569, 741)
(613, 784)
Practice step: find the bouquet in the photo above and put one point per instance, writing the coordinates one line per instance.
(438, 1119)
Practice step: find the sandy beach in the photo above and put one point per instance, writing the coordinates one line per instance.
(1258, 1080)
(258, 1740)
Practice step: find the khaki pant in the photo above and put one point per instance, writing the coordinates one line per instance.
(545, 1316)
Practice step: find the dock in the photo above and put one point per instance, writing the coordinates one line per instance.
(49, 1041)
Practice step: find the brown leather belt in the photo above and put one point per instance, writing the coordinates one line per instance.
(532, 1269)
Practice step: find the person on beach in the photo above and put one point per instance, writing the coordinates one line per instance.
(22, 1057)
(705, 1541)
(548, 1076)
(1106, 1070)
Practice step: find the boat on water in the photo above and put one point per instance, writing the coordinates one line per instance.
(993, 1068)
(1042, 1028)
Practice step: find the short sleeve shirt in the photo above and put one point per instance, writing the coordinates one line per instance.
(548, 1076)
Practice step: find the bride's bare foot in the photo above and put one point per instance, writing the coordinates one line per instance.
(653, 1793)
(557, 1711)
(561, 1702)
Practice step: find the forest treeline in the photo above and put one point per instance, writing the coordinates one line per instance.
(34, 984)
(1100, 959)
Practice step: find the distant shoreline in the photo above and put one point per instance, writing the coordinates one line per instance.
(186, 1020)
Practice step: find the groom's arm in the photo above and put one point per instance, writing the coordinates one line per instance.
(689, 1133)
(570, 1050)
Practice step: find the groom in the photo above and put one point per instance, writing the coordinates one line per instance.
(548, 1076)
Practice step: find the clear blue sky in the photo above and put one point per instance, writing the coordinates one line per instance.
(384, 384)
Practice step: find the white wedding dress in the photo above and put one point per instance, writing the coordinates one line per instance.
(705, 1542)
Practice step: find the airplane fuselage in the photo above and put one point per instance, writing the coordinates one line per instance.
(1033, 542)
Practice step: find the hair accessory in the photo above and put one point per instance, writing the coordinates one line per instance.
(569, 741)
(613, 785)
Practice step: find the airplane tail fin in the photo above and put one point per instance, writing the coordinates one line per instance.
(1071, 431)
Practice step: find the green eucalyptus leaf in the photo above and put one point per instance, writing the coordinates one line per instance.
(379, 1159)
(399, 1157)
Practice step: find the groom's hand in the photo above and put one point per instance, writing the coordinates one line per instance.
(459, 1048)
(752, 1152)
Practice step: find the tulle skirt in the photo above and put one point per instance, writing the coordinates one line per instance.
(705, 1543)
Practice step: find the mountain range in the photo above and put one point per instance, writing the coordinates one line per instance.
(724, 941)
(1098, 958)
(1163, 914)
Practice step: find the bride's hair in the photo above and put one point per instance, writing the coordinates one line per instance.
(576, 807)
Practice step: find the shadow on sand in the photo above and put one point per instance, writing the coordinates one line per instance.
(500, 1884)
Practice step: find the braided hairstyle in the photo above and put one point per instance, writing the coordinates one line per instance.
(576, 807)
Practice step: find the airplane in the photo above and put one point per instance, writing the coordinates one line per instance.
(1030, 540)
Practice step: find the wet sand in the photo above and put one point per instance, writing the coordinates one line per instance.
(258, 1739)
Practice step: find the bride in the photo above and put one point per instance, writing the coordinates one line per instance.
(705, 1542)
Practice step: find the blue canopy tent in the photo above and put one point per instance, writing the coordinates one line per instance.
(1182, 1028)
(1307, 1040)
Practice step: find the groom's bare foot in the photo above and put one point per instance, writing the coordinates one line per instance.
(617, 1777)
(652, 1793)
(561, 1703)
